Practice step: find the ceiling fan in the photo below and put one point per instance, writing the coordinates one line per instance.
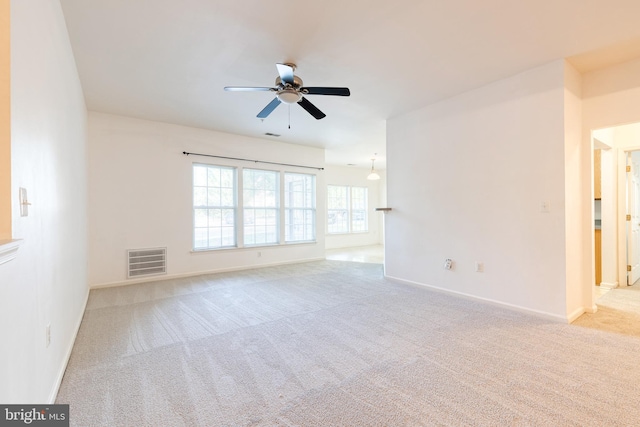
(289, 89)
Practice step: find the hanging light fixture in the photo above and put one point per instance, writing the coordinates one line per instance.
(373, 175)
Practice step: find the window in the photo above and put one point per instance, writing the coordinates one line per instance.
(338, 209)
(241, 207)
(300, 207)
(214, 207)
(261, 206)
(359, 203)
(347, 209)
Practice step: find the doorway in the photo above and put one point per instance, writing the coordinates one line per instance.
(616, 206)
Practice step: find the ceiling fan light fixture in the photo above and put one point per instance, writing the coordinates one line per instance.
(289, 96)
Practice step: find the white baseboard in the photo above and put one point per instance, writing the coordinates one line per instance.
(199, 273)
(609, 285)
(543, 314)
(575, 314)
(63, 368)
(591, 310)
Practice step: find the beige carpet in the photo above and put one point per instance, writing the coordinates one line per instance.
(334, 344)
(618, 311)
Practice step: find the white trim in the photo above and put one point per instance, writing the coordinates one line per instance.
(9, 250)
(575, 314)
(200, 273)
(609, 285)
(56, 386)
(253, 247)
(591, 310)
(543, 314)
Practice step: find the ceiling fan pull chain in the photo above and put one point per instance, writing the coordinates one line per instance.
(289, 116)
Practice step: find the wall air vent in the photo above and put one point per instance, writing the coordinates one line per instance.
(146, 262)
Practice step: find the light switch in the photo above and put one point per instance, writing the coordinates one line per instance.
(545, 206)
(24, 202)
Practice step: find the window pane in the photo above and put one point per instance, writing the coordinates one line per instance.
(338, 209)
(359, 209)
(215, 219)
(337, 197)
(300, 207)
(213, 197)
(200, 196)
(214, 177)
(214, 207)
(200, 218)
(200, 238)
(199, 175)
(338, 221)
(261, 200)
(227, 197)
(215, 237)
(227, 180)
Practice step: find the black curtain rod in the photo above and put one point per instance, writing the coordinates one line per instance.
(249, 160)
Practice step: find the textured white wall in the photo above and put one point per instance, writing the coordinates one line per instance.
(141, 195)
(47, 282)
(343, 175)
(466, 180)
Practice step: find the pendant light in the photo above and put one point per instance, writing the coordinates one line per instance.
(373, 175)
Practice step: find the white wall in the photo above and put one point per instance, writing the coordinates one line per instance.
(141, 195)
(46, 283)
(357, 177)
(610, 96)
(466, 180)
(578, 201)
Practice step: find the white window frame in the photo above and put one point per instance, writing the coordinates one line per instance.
(209, 206)
(360, 211)
(265, 207)
(348, 210)
(238, 210)
(293, 209)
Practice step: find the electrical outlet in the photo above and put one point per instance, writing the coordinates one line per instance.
(48, 334)
(448, 264)
(479, 267)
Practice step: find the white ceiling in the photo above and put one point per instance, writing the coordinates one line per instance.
(168, 60)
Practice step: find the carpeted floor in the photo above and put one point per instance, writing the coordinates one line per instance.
(334, 344)
(618, 311)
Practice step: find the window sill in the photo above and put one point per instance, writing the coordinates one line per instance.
(347, 233)
(9, 250)
(253, 248)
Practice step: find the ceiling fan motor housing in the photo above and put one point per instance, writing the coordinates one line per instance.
(289, 93)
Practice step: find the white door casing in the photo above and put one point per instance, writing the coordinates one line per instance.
(633, 225)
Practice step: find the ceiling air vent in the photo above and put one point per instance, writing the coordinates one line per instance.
(146, 262)
(272, 134)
